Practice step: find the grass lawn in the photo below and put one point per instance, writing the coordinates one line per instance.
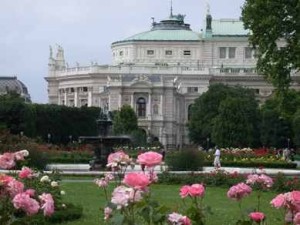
(225, 211)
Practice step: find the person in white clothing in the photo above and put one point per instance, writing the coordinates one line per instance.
(217, 163)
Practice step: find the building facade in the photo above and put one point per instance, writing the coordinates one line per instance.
(160, 73)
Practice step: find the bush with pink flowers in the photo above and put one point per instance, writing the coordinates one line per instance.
(27, 196)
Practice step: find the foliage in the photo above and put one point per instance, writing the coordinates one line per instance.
(64, 124)
(218, 110)
(8, 142)
(125, 120)
(236, 123)
(185, 160)
(270, 22)
(296, 128)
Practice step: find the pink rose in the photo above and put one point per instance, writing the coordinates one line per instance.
(297, 219)
(24, 202)
(103, 183)
(149, 159)
(185, 220)
(30, 192)
(136, 180)
(26, 173)
(237, 192)
(184, 191)
(117, 158)
(294, 198)
(15, 187)
(257, 216)
(7, 161)
(47, 204)
(197, 190)
(107, 213)
(279, 201)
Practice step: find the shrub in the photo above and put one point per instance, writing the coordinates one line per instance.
(185, 160)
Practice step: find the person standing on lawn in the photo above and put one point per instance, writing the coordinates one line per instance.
(217, 163)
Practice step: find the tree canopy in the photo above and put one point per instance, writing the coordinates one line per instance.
(125, 121)
(271, 21)
(228, 116)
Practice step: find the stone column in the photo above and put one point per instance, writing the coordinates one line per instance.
(76, 97)
(149, 107)
(89, 97)
(65, 96)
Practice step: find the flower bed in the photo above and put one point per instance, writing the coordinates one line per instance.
(130, 202)
(29, 196)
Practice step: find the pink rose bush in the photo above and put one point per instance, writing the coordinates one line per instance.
(262, 181)
(25, 194)
(131, 198)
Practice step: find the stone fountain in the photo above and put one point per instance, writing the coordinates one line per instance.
(104, 142)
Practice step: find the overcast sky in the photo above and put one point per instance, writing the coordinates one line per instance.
(85, 29)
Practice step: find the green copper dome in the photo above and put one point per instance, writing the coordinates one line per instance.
(171, 29)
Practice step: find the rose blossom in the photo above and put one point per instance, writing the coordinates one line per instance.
(136, 180)
(149, 159)
(26, 173)
(107, 213)
(101, 182)
(7, 160)
(47, 204)
(45, 179)
(294, 198)
(197, 190)
(185, 221)
(120, 157)
(30, 192)
(176, 218)
(263, 180)
(15, 187)
(122, 196)
(24, 202)
(237, 192)
(297, 219)
(279, 201)
(184, 191)
(257, 216)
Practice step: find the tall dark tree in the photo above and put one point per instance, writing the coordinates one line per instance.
(236, 125)
(207, 114)
(271, 21)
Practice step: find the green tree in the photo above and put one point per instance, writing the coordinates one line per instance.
(235, 125)
(296, 128)
(125, 121)
(207, 110)
(269, 22)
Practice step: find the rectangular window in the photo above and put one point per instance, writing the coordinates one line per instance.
(121, 53)
(192, 89)
(150, 52)
(231, 54)
(222, 52)
(84, 89)
(168, 52)
(248, 53)
(186, 52)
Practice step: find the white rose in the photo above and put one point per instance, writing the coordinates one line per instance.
(45, 179)
(54, 184)
(62, 192)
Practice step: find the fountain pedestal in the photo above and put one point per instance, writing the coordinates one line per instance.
(103, 143)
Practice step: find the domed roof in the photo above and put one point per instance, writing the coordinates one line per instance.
(12, 84)
(172, 28)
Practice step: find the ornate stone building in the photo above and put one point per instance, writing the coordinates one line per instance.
(160, 73)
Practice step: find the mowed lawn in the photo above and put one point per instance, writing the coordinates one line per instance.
(224, 210)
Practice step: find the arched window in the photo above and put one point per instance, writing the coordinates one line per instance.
(190, 111)
(141, 107)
